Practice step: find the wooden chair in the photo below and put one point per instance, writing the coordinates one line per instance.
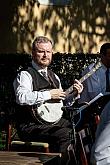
(17, 144)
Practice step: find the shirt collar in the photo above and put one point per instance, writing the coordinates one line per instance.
(38, 68)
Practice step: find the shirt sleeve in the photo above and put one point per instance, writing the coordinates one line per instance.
(92, 85)
(25, 95)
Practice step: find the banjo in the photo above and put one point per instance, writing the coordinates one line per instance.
(51, 111)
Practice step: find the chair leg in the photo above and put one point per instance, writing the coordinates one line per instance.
(8, 138)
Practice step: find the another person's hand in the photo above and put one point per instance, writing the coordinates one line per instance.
(57, 94)
(78, 86)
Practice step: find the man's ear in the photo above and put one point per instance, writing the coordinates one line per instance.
(33, 54)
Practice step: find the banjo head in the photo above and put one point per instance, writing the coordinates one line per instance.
(50, 112)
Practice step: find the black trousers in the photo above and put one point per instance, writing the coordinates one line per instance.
(57, 135)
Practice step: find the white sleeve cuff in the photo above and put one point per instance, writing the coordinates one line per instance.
(46, 95)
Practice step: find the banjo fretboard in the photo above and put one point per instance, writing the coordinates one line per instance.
(97, 66)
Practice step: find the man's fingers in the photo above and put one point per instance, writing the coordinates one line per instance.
(78, 86)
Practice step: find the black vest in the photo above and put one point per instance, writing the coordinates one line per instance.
(39, 82)
(24, 112)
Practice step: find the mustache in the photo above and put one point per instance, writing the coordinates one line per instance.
(45, 58)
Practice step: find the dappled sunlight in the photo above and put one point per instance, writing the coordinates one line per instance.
(79, 27)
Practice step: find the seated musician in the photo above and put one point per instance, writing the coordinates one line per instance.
(97, 83)
(35, 119)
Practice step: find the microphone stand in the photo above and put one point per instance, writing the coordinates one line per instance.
(72, 149)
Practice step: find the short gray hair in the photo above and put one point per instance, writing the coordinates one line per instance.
(40, 39)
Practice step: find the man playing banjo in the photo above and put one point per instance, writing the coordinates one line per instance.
(39, 95)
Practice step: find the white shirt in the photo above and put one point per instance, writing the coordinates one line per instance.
(23, 87)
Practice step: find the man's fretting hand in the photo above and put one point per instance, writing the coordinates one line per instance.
(78, 86)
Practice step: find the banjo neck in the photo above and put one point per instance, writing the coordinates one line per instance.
(96, 67)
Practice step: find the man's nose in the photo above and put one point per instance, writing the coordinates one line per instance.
(45, 53)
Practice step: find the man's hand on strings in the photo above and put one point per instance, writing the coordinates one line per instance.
(77, 86)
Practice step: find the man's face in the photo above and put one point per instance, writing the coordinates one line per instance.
(42, 55)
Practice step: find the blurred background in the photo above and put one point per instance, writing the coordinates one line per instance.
(75, 26)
